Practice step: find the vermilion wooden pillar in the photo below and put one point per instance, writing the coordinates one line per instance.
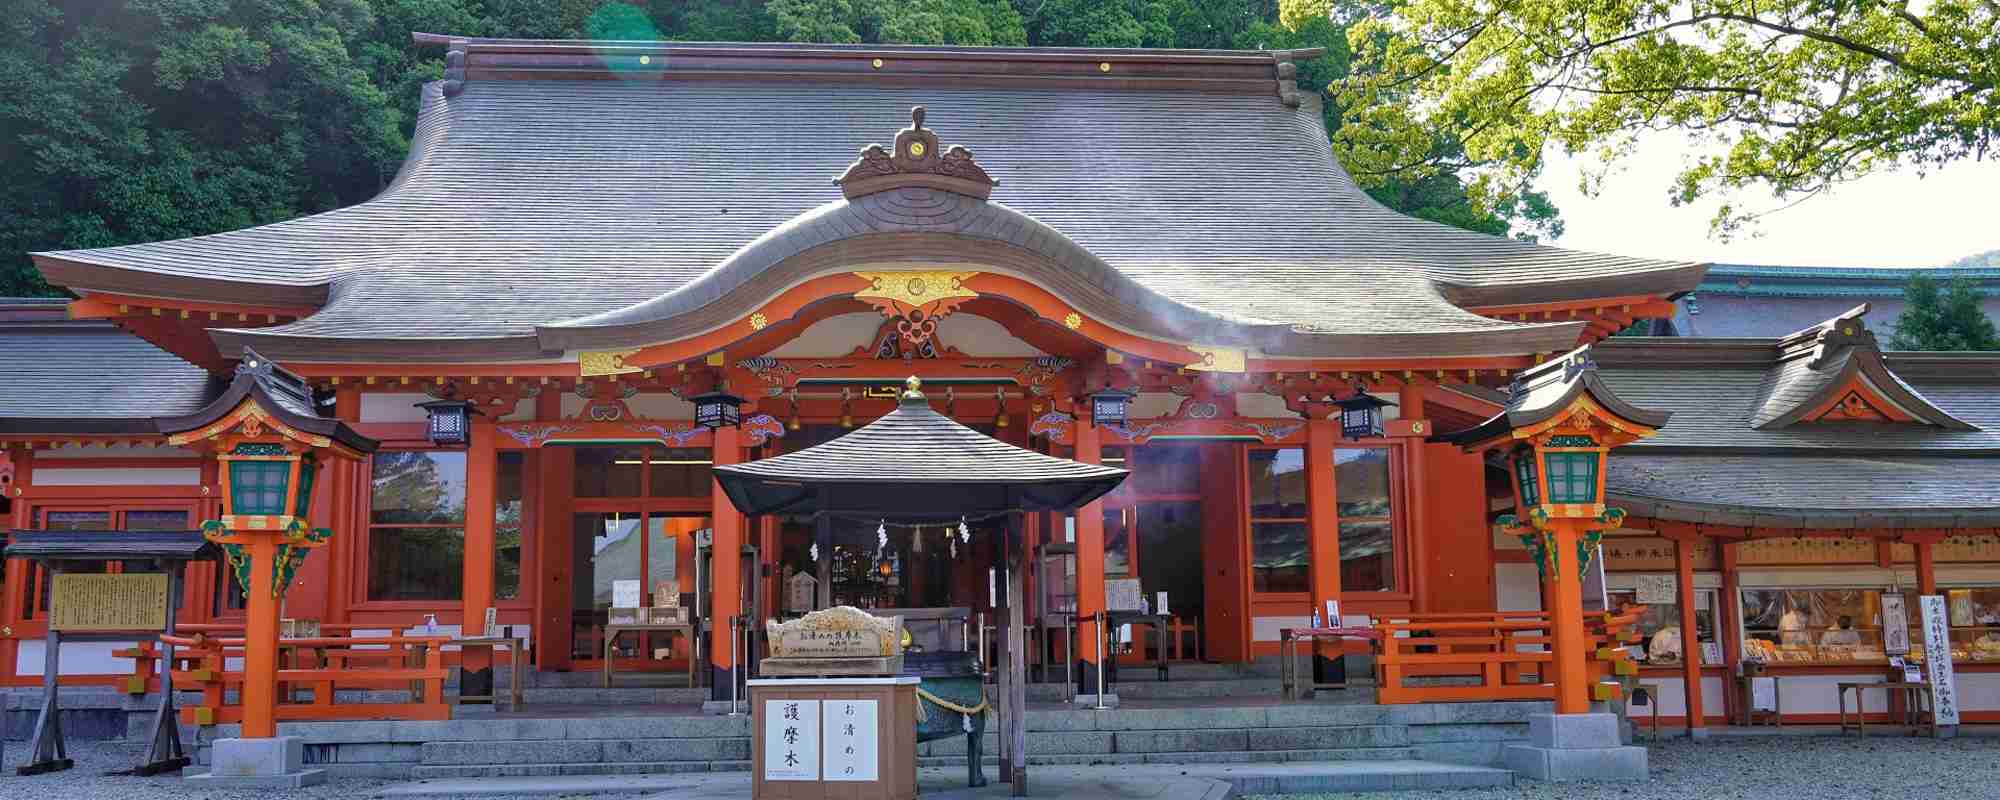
(1684, 544)
(481, 477)
(1089, 557)
(1566, 618)
(726, 565)
(1926, 567)
(260, 649)
(1322, 530)
(1412, 412)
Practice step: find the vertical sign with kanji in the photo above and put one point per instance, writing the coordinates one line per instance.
(851, 740)
(1937, 659)
(791, 740)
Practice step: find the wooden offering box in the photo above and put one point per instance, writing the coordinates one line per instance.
(834, 738)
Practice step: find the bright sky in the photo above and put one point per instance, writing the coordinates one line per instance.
(1884, 220)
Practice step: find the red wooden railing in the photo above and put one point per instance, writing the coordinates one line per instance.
(318, 667)
(1492, 648)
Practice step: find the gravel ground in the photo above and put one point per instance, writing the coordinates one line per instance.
(1763, 768)
(1774, 768)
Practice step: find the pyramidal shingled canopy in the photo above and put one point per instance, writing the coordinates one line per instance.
(917, 465)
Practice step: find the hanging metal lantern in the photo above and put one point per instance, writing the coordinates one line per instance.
(718, 409)
(1109, 407)
(1361, 415)
(450, 421)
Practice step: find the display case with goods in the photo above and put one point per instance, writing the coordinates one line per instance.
(1975, 623)
(1833, 626)
(1664, 643)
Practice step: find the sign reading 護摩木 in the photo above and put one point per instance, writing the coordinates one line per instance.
(103, 602)
(1937, 659)
(791, 740)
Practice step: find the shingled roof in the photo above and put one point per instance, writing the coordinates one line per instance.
(87, 377)
(914, 463)
(1739, 452)
(549, 183)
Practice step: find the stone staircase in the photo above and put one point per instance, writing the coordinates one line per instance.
(503, 745)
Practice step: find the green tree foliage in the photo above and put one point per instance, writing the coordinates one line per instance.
(1947, 319)
(1793, 96)
(138, 120)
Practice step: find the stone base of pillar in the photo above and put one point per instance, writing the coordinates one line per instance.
(1572, 747)
(1086, 702)
(275, 763)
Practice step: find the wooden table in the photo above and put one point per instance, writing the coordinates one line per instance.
(1288, 668)
(1161, 630)
(687, 629)
(1918, 702)
(515, 646)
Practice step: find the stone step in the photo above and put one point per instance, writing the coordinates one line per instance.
(434, 772)
(1357, 776)
(585, 751)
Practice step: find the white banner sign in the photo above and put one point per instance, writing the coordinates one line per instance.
(1937, 659)
(851, 740)
(625, 594)
(791, 740)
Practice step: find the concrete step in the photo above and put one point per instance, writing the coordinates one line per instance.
(1193, 757)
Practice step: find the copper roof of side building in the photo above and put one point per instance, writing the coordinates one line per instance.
(552, 186)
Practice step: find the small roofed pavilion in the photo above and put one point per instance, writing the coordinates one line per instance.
(915, 465)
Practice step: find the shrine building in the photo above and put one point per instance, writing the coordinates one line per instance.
(1146, 259)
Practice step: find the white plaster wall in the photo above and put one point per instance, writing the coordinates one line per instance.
(659, 405)
(396, 407)
(1673, 699)
(522, 410)
(117, 476)
(77, 658)
(115, 451)
(1149, 405)
(1859, 577)
(1516, 587)
(832, 337)
(974, 335)
(1260, 405)
(1265, 629)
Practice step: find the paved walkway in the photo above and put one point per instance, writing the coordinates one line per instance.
(1179, 782)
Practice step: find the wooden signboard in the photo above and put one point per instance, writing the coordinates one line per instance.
(1937, 659)
(1657, 589)
(85, 602)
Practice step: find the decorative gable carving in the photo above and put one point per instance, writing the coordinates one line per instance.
(1834, 371)
(917, 160)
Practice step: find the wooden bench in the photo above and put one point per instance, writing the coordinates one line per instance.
(1918, 704)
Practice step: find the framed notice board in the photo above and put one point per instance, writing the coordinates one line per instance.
(83, 602)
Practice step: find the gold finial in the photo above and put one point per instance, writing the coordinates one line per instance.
(915, 384)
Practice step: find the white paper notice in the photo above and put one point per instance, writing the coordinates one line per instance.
(851, 740)
(1937, 659)
(625, 594)
(1764, 694)
(1895, 625)
(791, 740)
(1656, 589)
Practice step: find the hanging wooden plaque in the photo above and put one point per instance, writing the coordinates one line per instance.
(86, 602)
